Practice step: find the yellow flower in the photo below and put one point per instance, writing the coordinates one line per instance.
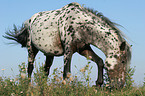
(95, 90)
(61, 78)
(87, 65)
(82, 70)
(71, 78)
(107, 85)
(3, 69)
(57, 80)
(54, 77)
(12, 94)
(23, 75)
(68, 75)
(64, 82)
(16, 79)
(32, 93)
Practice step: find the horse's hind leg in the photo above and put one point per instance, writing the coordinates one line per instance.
(32, 51)
(67, 61)
(89, 53)
(48, 63)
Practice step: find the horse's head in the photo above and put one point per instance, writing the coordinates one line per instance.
(117, 65)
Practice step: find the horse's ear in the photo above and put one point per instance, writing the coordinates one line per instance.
(122, 46)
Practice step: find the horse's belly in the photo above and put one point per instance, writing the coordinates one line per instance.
(48, 42)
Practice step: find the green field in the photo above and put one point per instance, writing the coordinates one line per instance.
(40, 86)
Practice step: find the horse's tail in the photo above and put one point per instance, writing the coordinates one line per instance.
(19, 35)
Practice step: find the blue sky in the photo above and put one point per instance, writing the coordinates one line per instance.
(128, 13)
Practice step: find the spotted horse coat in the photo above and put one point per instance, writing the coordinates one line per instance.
(71, 29)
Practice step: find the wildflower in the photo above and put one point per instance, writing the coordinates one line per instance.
(3, 69)
(12, 94)
(68, 75)
(107, 85)
(21, 92)
(87, 65)
(71, 78)
(57, 80)
(23, 70)
(82, 70)
(66, 79)
(95, 90)
(32, 93)
(61, 78)
(21, 67)
(11, 80)
(1, 78)
(23, 75)
(26, 69)
(61, 71)
(64, 82)
(54, 77)
(90, 57)
(16, 79)
(112, 80)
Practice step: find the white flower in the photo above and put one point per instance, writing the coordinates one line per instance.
(12, 94)
(21, 92)
(11, 80)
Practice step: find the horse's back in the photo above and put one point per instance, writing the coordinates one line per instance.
(50, 28)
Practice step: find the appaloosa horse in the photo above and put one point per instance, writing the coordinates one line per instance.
(71, 29)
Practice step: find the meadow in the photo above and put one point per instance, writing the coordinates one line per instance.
(56, 86)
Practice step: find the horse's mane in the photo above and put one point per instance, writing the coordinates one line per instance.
(106, 20)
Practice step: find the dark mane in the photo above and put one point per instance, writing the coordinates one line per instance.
(105, 20)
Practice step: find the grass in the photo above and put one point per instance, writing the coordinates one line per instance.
(42, 86)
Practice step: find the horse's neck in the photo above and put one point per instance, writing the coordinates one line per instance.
(105, 39)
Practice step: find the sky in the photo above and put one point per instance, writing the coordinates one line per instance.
(128, 13)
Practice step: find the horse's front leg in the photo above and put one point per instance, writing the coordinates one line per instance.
(89, 54)
(32, 51)
(67, 61)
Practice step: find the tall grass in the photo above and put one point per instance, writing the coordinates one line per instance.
(56, 86)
